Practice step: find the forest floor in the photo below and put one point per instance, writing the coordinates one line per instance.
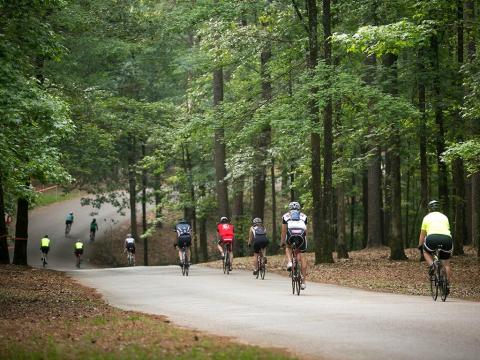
(372, 270)
(44, 314)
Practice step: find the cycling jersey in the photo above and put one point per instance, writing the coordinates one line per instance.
(183, 229)
(69, 217)
(260, 239)
(78, 245)
(45, 242)
(129, 241)
(436, 223)
(226, 232)
(93, 226)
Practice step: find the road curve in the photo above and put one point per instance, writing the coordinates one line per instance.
(325, 321)
(51, 220)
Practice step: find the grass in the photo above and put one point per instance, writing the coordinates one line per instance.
(46, 315)
(54, 196)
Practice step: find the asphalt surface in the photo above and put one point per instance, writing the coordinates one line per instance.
(325, 321)
(50, 220)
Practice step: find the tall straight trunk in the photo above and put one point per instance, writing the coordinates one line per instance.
(353, 203)
(406, 239)
(144, 210)
(4, 255)
(424, 189)
(220, 149)
(397, 246)
(374, 201)
(263, 141)
(21, 233)
(327, 203)
(387, 192)
(458, 172)
(440, 131)
(203, 229)
(132, 185)
(274, 243)
(238, 211)
(158, 200)
(313, 110)
(476, 210)
(365, 208)
(292, 182)
(468, 211)
(342, 252)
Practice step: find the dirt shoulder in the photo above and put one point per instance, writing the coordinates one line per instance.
(372, 270)
(46, 315)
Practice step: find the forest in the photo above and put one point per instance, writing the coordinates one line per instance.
(361, 110)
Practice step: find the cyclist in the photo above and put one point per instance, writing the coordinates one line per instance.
(78, 251)
(225, 235)
(184, 239)
(130, 244)
(45, 247)
(93, 229)
(294, 231)
(68, 222)
(435, 232)
(258, 236)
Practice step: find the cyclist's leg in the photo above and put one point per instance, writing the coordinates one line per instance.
(448, 269)
(303, 259)
(230, 252)
(219, 247)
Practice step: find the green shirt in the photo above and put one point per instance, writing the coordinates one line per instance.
(45, 242)
(436, 223)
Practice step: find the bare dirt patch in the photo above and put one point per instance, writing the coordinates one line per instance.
(46, 315)
(372, 270)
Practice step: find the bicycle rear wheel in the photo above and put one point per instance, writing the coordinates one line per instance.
(262, 268)
(434, 283)
(183, 263)
(259, 266)
(443, 283)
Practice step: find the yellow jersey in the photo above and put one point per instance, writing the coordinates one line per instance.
(45, 242)
(436, 223)
(78, 246)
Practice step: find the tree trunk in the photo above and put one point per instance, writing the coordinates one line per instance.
(424, 189)
(353, 202)
(274, 242)
(203, 229)
(468, 211)
(144, 210)
(387, 189)
(315, 136)
(476, 210)
(220, 150)
(365, 208)
(21, 233)
(292, 182)
(158, 201)
(4, 255)
(440, 131)
(374, 201)
(342, 252)
(238, 212)
(132, 186)
(327, 203)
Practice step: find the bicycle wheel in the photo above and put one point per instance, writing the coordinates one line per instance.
(227, 263)
(294, 281)
(298, 280)
(224, 264)
(184, 267)
(443, 283)
(434, 283)
(259, 265)
(262, 268)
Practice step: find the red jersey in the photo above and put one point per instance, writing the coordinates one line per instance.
(225, 231)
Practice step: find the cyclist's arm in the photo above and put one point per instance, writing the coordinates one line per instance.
(421, 238)
(283, 234)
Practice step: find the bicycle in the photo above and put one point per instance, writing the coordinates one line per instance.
(184, 263)
(438, 277)
(226, 259)
(92, 236)
(296, 272)
(44, 259)
(79, 260)
(68, 227)
(130, 258)
(261, 265)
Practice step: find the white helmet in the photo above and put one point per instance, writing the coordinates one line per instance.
(294, 206)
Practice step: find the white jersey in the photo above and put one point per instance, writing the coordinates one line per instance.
(298, 222)
(129, 240)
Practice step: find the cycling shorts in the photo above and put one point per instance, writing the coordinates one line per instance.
(259, 244)
(299, 242)
(184, 241)
(45, 249)
(68, 222)
(434, 241)
(131, 248)
(78, 252)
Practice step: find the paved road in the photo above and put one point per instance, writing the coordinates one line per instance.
(51, 220)
(325, 321)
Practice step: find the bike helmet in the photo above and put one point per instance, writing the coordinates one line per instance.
(183, 221)
(433, 205)
(294, 206)
(257, 221)
(224, 220)
(71, 212)
(129, 235)
(46, 236)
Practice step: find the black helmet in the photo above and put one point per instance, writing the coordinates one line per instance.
(183, 221)
(46, 236)
(257, 221)
(224, 220)
(434, 205)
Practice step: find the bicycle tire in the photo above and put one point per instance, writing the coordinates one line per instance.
(259, 264)
(443, 283)
(434, 282)
(298, 278)
(262, 268)
(183, 262)
(293, 283)
(227, 264)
